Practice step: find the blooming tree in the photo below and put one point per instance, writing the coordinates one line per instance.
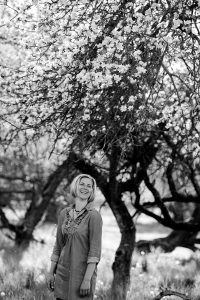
(86, 62)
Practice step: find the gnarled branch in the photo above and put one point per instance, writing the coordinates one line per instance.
(171, 293)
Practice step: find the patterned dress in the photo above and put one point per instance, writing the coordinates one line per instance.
(78, 242)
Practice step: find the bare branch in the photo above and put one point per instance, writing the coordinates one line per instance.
(187, 226)
(157, 198)
(166, 292)
(194, 181)
(16, 191)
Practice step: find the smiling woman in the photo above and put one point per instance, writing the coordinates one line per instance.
(84, 188)
(77, 249)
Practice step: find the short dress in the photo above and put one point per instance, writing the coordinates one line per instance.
(78, 242)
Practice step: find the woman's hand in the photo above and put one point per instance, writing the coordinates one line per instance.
(85, 287)
(50, 282)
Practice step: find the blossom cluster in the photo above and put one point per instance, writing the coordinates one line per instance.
(94, 65)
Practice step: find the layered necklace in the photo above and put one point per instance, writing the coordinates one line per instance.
(76, 213)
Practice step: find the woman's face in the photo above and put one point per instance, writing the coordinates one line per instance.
(84, 188)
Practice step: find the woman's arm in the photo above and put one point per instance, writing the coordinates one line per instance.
(53, 267)
(89, 271)
(94, 255)
(56, 253)
(59, 242)
(95, 237)
(86, 283)
(50, 276)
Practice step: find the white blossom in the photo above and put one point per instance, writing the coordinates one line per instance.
(93, 133)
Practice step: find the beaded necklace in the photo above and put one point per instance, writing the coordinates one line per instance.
(70, 224)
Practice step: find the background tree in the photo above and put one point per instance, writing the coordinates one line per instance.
(25, 183)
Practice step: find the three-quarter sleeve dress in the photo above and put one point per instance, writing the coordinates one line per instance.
(78, 242)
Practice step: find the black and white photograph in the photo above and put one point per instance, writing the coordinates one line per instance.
(99, 149)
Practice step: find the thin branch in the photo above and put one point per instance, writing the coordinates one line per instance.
(179, 199)
(194, 181)
(9, 122)
(176, 90)
(145, 211)
(11, 18)
(157, 198)
(183, 159)
(15, 191)
(171, 293)
(187, 226)
(174, 148)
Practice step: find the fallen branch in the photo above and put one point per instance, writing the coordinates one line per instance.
(165, 293)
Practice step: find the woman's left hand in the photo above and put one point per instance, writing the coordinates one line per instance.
(85, 287)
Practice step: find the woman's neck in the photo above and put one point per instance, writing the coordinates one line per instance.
(80, 204)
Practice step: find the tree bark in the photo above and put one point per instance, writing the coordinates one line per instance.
(37, 208)
(122, 263)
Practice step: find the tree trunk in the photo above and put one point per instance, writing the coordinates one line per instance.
(34, 214)
(122, 263)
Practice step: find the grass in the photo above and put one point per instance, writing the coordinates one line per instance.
(22, 276)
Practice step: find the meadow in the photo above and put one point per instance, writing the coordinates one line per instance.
(23, 276)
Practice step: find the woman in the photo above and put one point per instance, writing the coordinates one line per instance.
(77, 249)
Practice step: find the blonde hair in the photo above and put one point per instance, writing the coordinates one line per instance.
(76, 181)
